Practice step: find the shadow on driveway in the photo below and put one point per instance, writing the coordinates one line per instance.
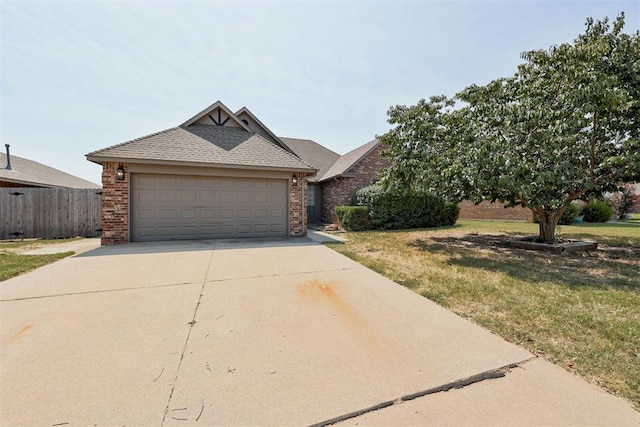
(137, 248)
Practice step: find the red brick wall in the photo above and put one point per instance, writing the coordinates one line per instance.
(298, 206)
(338, 191)
(488, 210)
(115, 205)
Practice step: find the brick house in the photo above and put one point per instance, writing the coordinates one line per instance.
(338, 177)
(225, 174)
(219, 174)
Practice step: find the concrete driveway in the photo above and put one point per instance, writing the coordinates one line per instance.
(261, 332)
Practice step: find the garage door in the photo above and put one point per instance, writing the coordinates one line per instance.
(172, 207)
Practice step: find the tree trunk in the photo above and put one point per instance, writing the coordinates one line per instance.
(548, 222)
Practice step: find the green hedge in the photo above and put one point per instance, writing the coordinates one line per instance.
(353, 218)
(597, 211)
(411, 209)
(569, 214)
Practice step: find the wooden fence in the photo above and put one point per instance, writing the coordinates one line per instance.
(49, 213)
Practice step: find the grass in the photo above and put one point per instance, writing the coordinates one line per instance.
(579, 311)
(13, 264)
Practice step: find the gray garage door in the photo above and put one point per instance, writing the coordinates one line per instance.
(172, 207)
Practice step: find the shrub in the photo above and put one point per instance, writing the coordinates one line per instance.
(393, 210)
(451, 213)
(353, 218)
(569, 215)
(365, 195)
(597, 211)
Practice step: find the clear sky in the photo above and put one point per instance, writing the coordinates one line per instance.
(83, 75)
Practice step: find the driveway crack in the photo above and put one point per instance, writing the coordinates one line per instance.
(100, 291)
(186, 341)
(464, 382)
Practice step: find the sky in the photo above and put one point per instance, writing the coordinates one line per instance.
(78, 76)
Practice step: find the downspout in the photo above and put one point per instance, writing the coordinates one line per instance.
(304, 228)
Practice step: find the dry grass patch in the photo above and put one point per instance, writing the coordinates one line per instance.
(577, 310)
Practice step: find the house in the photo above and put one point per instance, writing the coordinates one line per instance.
(224, 174)
(219, 174)
(338, 176)
(20, 172)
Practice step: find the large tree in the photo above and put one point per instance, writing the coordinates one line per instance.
(564, 127)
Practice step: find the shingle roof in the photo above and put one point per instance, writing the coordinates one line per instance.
(347, 161)
(204, 144)
(29, 172)
(313, 153)
(267, 134)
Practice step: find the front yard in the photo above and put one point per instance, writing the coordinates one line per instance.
(12, 263)
(580, 311)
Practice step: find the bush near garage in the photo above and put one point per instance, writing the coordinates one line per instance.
(394, 210)
(353, 218)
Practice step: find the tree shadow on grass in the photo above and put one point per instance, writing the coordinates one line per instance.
(605, 268)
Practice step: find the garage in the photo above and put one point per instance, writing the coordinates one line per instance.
(219, 174)
(178, 207)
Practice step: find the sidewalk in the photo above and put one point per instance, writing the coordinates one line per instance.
(77, 246)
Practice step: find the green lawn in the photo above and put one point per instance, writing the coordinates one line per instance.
(580, 311)
(13, 264)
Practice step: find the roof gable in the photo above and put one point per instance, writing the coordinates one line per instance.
(216, 114)
(213, 137)
(349, 160)
(255, 125)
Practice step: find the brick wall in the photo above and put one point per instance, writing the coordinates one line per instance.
(488, 210)
(115, 205)
(297, 206)
(338, 191)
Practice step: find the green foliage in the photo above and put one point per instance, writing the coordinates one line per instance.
(365, 195)
(564, 127)
(394, 210)
(353, 218)
(569, 214)
(597, 211)
(13, 264)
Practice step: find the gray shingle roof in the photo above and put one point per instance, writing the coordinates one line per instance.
(349, 160)
(313, 153)
(204, 144)
(29, 172)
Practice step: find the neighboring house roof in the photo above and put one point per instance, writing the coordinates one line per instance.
(204, 145)
(343, 165)
(29, 172)
(313, 153)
